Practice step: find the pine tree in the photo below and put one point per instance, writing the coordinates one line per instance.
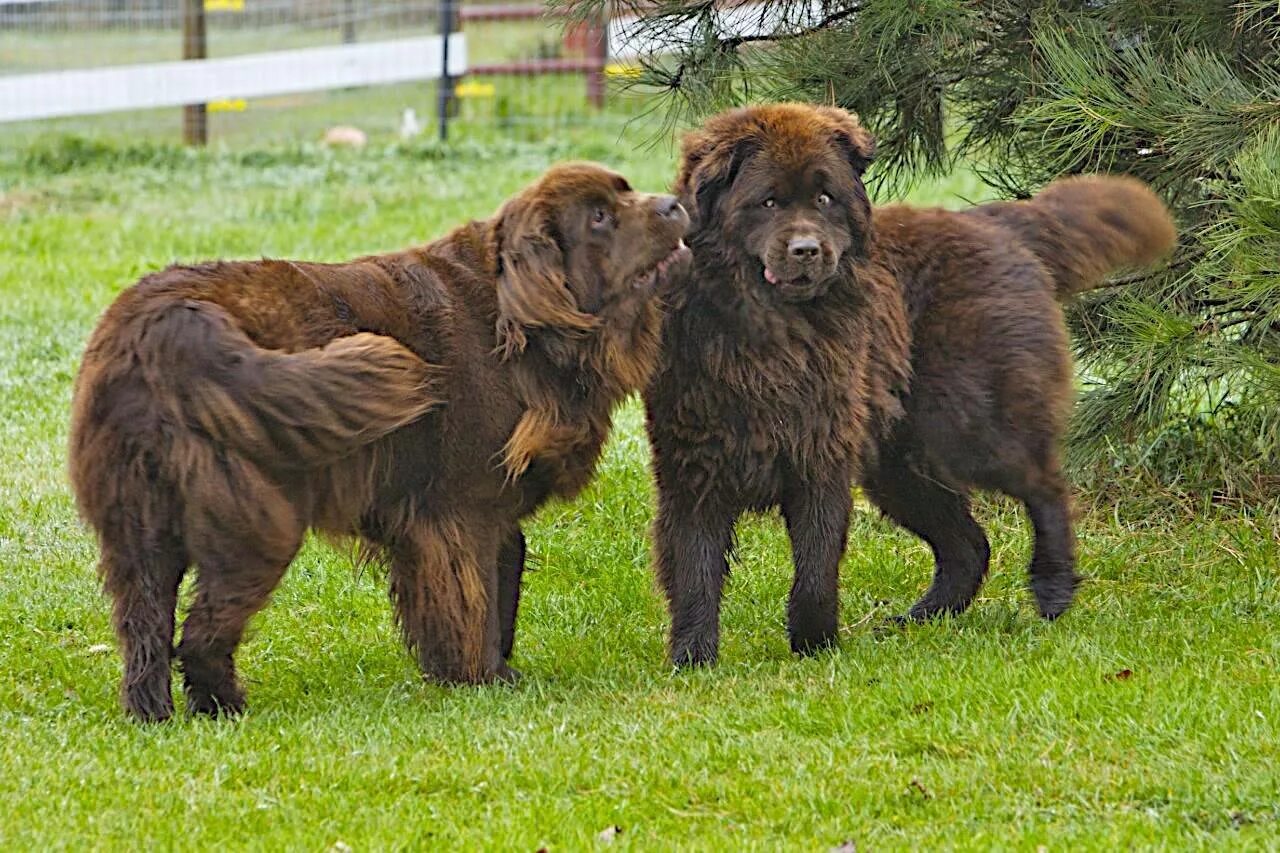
(1181, 368)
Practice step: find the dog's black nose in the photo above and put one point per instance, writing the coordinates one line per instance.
(668, 206)
(803, 248)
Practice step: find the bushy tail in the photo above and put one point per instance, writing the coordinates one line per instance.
(286, 409)
(1085, 228)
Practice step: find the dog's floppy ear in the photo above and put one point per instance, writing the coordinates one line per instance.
(710, 160)
(858, 144)
(532, 289)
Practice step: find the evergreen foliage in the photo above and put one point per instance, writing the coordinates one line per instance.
(1181, 368)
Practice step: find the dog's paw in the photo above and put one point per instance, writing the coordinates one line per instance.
(692, 655)
(505, 675)
(149, 708)
(811, 643)
(201, 703)
(1054, 593)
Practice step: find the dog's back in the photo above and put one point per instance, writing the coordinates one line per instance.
(172, 389)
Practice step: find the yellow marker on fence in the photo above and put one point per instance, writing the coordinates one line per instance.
(234, 105)
(473, 89)
(224, 5)
(618, 69)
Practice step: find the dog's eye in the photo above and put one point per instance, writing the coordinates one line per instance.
(769, 203)
(599, 217)
(824, 199)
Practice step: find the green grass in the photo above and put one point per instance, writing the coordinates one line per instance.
(990, 730)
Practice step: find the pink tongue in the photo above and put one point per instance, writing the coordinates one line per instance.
(769, 276)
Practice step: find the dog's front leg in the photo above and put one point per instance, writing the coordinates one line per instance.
(510, 571)
(817, 516)
(691, 549)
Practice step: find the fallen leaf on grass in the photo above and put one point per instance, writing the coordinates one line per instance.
(609, 833)
(919, 786)
(1122, 675)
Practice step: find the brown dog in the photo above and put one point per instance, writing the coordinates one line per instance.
(424, 401)
(991, 389)
(781, 355)
(787, 361)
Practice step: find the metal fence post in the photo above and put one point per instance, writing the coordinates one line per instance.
(444, 92)
(195, 121)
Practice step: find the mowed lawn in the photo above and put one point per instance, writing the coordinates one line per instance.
(1148, 716)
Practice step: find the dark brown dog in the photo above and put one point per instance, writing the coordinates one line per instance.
(786, 363)
(425, 401)
(991, 389)
(781, 352)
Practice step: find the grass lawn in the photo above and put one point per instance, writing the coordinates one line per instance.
(1147, 717)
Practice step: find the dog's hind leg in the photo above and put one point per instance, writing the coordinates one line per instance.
(1053, 556)
(230, 588)
(510, 571)
(1053, 576)
(242, 534)
(940, 516)
(817, 516)
(1030, 471)
(143, 583)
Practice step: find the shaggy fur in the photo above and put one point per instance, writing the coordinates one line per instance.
(782, 354)
(919, 351)
(424, 401)
(991, 390)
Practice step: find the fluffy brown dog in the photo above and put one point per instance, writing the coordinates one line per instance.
(781, 355)
(812, 335)
(991, 389)
(424, 401)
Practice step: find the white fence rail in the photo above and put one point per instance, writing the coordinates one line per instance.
(168, 84)
(147, 85)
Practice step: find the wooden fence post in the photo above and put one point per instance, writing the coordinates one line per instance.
(597, 37)
(195, 124)
(348, 21)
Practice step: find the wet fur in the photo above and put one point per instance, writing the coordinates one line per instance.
(423, 401)
(937, 362)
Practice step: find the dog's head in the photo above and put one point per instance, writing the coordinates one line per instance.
(580, 249)
(779, 188)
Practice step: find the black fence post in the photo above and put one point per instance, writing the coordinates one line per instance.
(444, 94)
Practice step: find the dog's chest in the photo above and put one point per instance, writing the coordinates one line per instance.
(748, 415)
(799, 405)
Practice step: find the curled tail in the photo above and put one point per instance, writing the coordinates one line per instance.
(283, 409)
(1084, 228)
